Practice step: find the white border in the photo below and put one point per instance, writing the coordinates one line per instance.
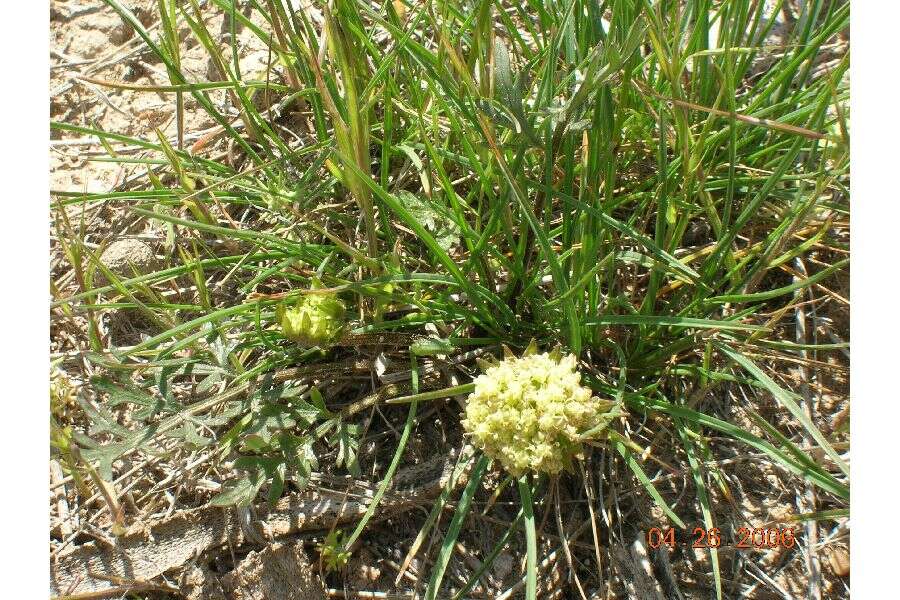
(874, 327)
(875, 232)
(24, 432)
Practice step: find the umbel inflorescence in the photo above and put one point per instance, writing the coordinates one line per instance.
(316, 319)
(533, 414)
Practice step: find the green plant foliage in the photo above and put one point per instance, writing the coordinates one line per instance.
(332, 551)
(445, 231)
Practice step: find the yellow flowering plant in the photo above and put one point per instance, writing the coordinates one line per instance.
(315, 320)
(533, 414)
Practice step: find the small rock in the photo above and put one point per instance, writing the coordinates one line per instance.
(121, 33)
(839, 561)
(124, 257)
(503, 565)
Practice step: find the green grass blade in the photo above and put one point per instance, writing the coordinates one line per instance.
(530, 538)
(449, 542)
(786, 399)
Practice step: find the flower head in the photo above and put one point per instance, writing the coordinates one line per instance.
(532, 413)
(316, 319)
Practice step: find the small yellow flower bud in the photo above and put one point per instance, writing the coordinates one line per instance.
(316, 319)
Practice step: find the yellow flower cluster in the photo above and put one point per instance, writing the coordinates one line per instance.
(316, 319)
(531, 413)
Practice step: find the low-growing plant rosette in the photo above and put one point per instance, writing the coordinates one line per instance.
(533, 414)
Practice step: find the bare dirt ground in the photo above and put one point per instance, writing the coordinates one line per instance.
(89, 40)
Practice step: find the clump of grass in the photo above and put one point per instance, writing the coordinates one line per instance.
(632, 180)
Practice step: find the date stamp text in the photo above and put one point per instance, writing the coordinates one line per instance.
(746, 538)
